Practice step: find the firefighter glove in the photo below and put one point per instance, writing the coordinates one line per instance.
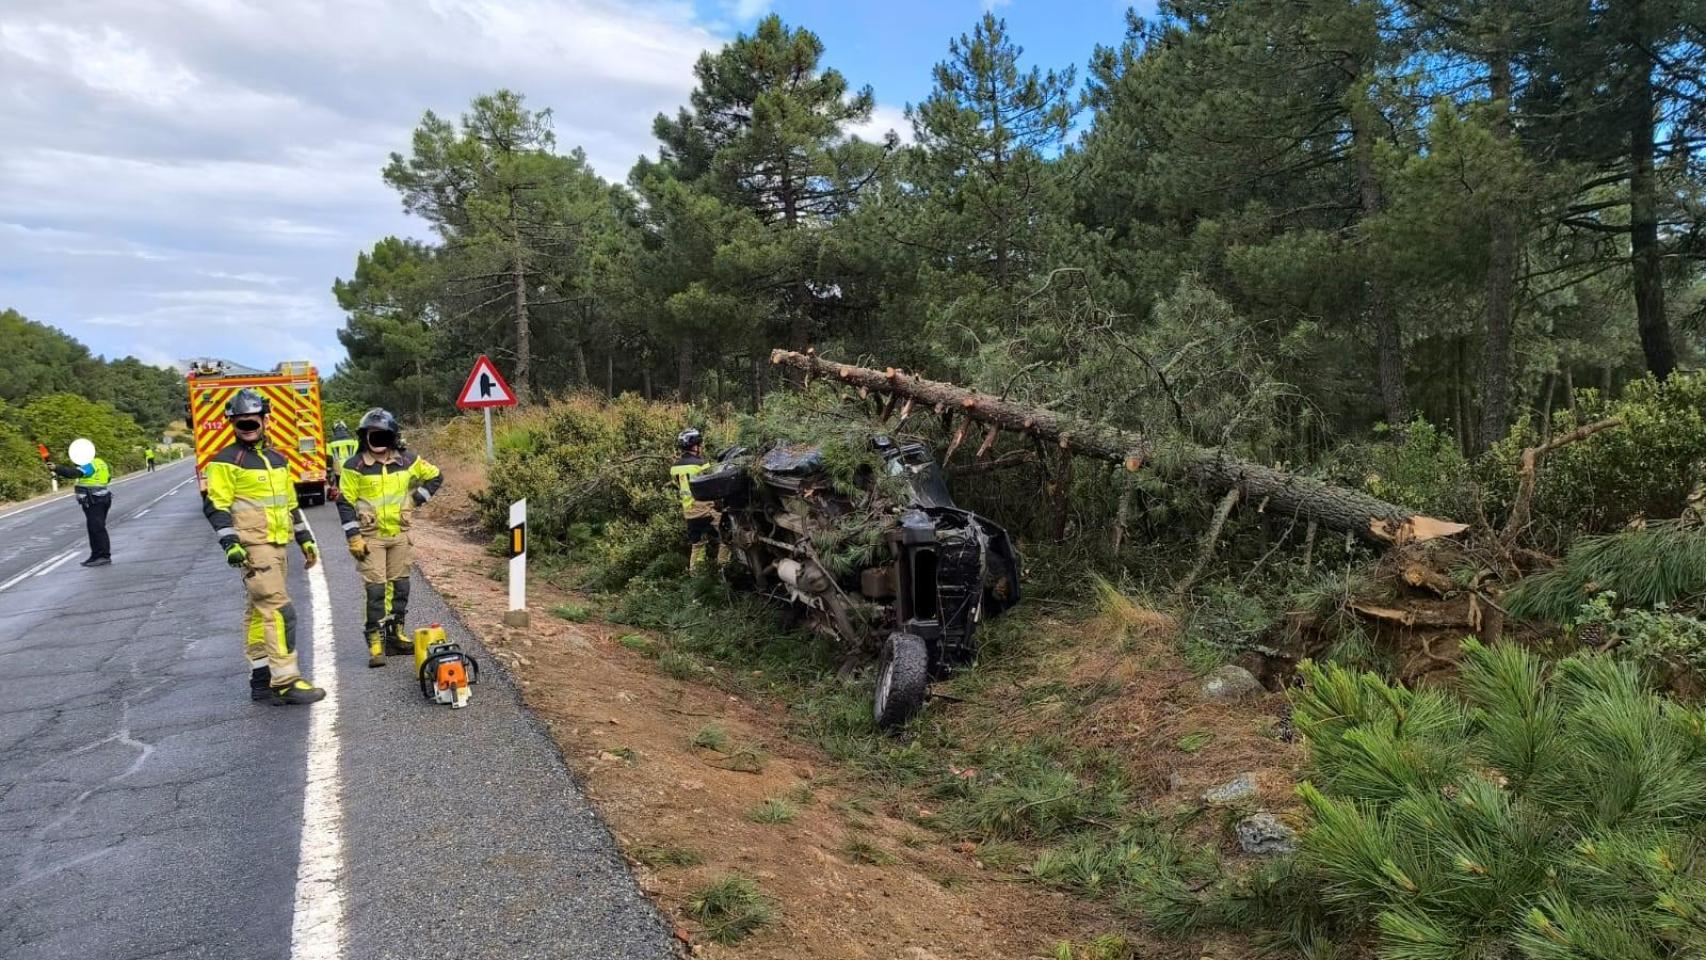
(235, 555)
(358, 547)
(310, 554)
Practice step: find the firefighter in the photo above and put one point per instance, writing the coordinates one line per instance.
(381, 486)
(701, 517)
(251, 503)
(340, 449)
(148, 458)
(96, 498)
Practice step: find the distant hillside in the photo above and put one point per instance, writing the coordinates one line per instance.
(42, 360)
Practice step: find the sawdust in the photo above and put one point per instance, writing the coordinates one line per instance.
(626, 729)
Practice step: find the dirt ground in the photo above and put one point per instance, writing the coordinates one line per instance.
(627, 729)
(850, 877)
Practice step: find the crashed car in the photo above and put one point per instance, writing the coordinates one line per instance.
(917, 591)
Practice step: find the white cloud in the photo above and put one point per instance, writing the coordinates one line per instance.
(187, 177)
(883, 119)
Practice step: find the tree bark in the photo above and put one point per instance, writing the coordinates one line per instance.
(523, 335)
(684, 370)
(610, 371)
(1337, 508)
(1388, 337)
(1502, 251)
(1645, 253)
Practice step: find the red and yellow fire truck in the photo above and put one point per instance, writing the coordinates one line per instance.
(297, 427)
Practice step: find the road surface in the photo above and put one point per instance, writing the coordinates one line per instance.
(149, 809)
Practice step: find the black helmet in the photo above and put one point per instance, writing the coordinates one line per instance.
(688, 439)
(340, 431)
(247, 402)
(378, 420)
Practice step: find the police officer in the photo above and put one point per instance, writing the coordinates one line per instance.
(251, 503)
(96, 498)
(701, 517)
(381, 486)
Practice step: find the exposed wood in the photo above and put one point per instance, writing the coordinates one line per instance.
(1336, 508)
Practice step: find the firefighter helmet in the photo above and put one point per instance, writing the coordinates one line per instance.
(688, 439)
(247, 402)
(379, 420)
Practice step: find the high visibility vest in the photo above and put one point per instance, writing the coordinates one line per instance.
(683, 473)
(343, 449)
(98, 477)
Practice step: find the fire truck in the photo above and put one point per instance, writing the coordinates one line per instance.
(296, 428)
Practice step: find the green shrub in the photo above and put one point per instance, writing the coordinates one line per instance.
(1554, 812)
(1423, 468)
(1644, 468)
(572, 612)
(1666, 644)
(594, 473)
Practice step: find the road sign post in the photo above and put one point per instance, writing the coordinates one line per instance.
(516, 615)
(484, 390)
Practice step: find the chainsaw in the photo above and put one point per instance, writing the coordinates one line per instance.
(445, 671)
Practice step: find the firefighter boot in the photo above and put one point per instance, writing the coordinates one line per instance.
(297, 692)
(394, 642)
(375, 649)
(260, 683)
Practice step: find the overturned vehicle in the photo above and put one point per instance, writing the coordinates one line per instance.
(891, 567)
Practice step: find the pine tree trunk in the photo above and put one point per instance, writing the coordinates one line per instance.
(1388, 337)
(610, 371)
(523, 342)
(1645, 252)
(684, 370)
(1502, 250)
(582, 379)
(1288, 494)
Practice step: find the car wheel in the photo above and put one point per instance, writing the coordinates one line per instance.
(901, 680)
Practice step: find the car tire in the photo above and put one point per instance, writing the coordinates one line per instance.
(902, 676)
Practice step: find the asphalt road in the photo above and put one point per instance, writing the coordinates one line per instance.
(148, 809)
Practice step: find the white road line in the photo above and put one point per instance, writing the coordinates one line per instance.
(56, 563)
(26, 573)
(67, 496)
(318, 930)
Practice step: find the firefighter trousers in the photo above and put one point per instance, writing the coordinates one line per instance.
(385, 573)
(270, 616)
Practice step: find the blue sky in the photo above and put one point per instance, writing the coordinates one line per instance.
(187, 177)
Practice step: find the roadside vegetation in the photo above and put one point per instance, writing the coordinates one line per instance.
(1438, 256)
(55, 391)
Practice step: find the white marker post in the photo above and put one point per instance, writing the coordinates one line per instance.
(516, 616)
(490, 455)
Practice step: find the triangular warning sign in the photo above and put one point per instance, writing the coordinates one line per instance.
(485, 387)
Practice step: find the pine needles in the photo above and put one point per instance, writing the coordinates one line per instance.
(1661, 563)
(1551, 814)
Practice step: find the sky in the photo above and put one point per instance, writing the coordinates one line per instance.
(187, 177)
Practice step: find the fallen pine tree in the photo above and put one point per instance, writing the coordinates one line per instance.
(1313, 501)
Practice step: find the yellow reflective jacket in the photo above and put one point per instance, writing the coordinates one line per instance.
(685, 469)
(342, 450)
(379, 495)
(251, 497)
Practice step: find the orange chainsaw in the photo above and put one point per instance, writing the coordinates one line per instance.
(445, 671)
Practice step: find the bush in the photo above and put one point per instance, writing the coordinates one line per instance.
(595, 474)
(1644, 468)
(1423, 469)
(1551, 813)
(56, 420)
